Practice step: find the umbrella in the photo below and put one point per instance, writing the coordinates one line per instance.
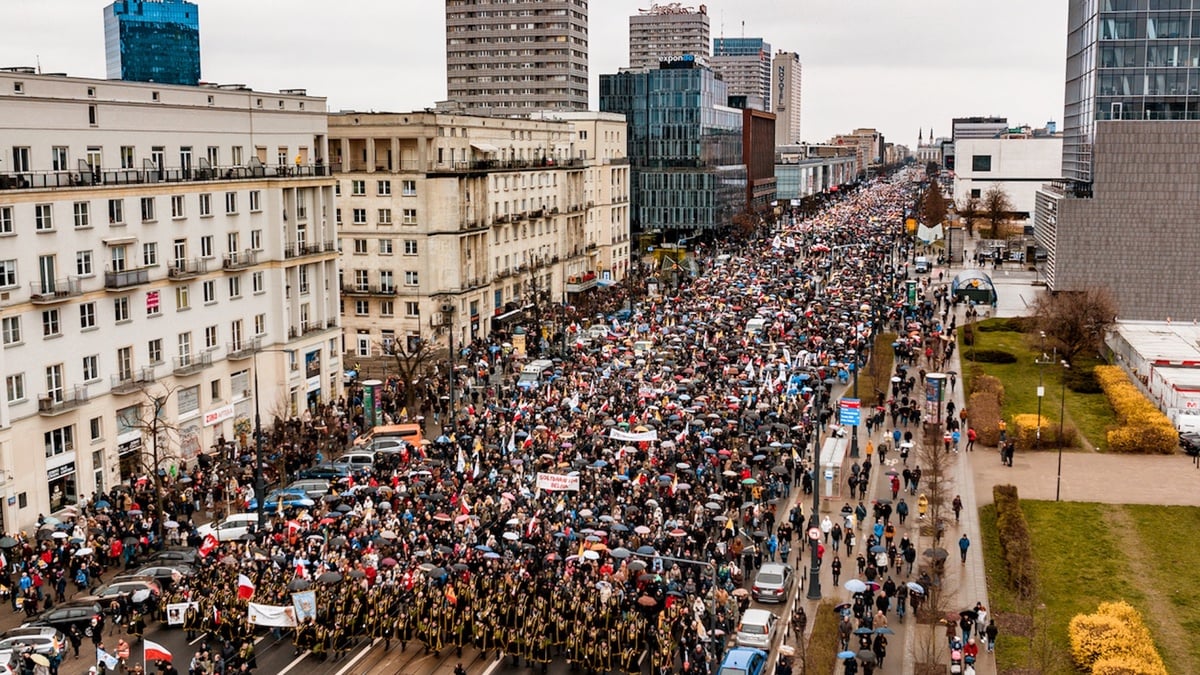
(7, 542)
(170, 524)
(936, 553)
(637, 565)
(511, 536)
(357, 574)
(892, 472)
(842, 607)
(749, 481)
(59, 535)
(443, 517)
(740, 593)
(855, 586)
(620, 553)
(845, 655)
(646, 550)
(641, 529)
(388, 562)
(329, 578)
(878, 549)
(863, 631)
(866, 655)
(40, 659)
(299, 585)
(916, 588)
(83, 551)
(969, 614)
(884, 630)
(647, 601)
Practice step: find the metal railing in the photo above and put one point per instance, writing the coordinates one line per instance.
(237, 351)
(295, 249)
(240, 260)
(61, 401)
(133, 383)
(54, 290)
(115, 281)
(186, 269)
(189, 364)
(90, 177)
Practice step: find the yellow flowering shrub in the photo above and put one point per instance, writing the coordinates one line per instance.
(1144, 428)
(1114, 641)
(1023, 431)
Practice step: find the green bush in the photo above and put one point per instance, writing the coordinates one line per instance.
(1011, 325)
(1016, 544)
(1083, 381)
(821, 655)
(983, 408)
(991, 356)
(968, 335)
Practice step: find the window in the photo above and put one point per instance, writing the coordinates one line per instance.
(981, 162)
(360, 216)
(205, 204)
(154, 348)
(82, 217)
(210, 337)
(257, 284)
(385, 216)
(255, 201)
(15, 386)
(149, 254)
(177, 206)
(91, 368)
(387, 281)
(362, 279)
(410, 216)
(127, 157)
(43, 217)
(412, 309)
(383, 188)
(96, 426)
(50, 323)
(10, 329)
(256, 240)
(302, 277)
(93, 119)
(230, 202)
(362, 307)
(411, 278)
(360, 246)
(148, 210)
(58, 158)
(232, 242)
(410, 247)
(8, 273)
(235, 287)
(116, 212)
(408, 188)
(206, 246)
(337, 216)
(121, 309)
(358, 187)
(6, 220)
(236, 155)
(183, 297)
(260, 324)
(209, 289)
(59, 441)
(214, 389)
(83, 263)
(54, 383)
(387, 308)
(87, 316)
(976, 193)
(184, 343)
(385, 246)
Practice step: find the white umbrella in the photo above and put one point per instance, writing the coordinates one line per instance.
(83, 551)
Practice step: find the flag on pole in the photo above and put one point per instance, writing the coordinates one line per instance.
(245, 587)
(156, 652)
(110, 661)
(210, 543)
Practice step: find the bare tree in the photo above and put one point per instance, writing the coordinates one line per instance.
(936, 481)
(156, 455)
(412, 360)
(970, 213)
(997, 206)
(1075, 322)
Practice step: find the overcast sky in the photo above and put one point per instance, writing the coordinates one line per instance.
(891, 64)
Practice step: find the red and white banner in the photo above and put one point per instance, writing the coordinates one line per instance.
(552, 482)
(245, 587)
(156, 652)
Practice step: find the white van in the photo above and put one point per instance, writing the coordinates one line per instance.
(531, 375)
(756, 325)
(921, 265)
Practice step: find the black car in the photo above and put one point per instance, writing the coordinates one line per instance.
(325, 471)
(1190, 444)
(173, 556)
(164, 574)
(76, 613)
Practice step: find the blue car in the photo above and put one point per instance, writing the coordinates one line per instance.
(744, 661)
(291, 497)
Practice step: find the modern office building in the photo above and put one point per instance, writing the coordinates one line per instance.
(745, 65)
(153, 41)
(157, 241)
(805, 170)
(685, 146)
(1124, 215)
(1019, 163)
(977, 127)
(486, 216)
(668, 32)
(758, 154)
(786, 78)
(507, 58)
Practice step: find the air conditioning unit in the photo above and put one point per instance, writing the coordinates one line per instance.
(447, 308)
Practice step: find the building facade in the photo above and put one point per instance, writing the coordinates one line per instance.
(668, 32)
(511, 58)
(153, 41)
(758, 154)
(1124, 215)
(158, 242)
(490, 216)
(685, 146)
(868, 146)
(786, 80)
(805, 170)
(976, 127)
(1019, 165)
(745, 65)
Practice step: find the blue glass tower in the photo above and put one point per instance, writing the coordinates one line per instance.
(153, 41)
(684, 146)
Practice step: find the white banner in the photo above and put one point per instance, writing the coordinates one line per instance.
(176, 612)
(283, 616)
(633, 437)
(552, 482)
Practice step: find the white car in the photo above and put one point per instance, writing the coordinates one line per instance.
(756, 629)
(230, 529)
(355, 461)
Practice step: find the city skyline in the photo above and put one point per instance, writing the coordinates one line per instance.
(910, 68)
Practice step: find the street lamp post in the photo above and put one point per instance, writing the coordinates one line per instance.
(1041, 392)
(448, 320)
(814, 586)
(1062, 412)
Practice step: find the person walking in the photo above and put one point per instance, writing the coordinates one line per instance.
(963, 544)
(957, 505)
(971, 436)
(836, 568)
(990, 633)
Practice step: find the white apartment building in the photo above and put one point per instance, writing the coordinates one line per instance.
(153, 241)
(786, 82)
(1020, 165)
(485, 216)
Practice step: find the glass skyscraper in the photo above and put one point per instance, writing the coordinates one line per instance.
(153, 41)
(684, 147)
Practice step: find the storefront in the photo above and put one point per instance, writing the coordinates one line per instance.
(129, 442)
(312, 377)
(61, 483)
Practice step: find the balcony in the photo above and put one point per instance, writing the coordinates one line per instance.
(486, 165)
(368, 289)
(86, 177)
(239, 261)
(581, 283)
(295, 249)
(119, 281)
(537, 213)
(240, 351)
(500, 220)
(186, 269)
(50, 291)
(61, 401)
(310, 327)
(190, 364)
(132, 384)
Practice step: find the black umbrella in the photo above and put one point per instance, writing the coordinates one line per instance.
(7, 542)
(936, 553)
(329, 578)
(299, 585)
(866, 655)
(344, 508)
(863, 631)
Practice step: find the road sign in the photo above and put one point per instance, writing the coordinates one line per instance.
(814, 533)
(849, 412)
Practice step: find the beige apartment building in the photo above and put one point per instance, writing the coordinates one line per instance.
(466, 223)
(155, 241)
(666, 32)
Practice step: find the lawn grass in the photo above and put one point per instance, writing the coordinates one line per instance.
(1090, 413)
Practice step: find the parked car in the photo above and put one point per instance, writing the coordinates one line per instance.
(756, 629)
(744, 661)
(1190, 443)
(772, 583)
(77, 612)
(234, 527)
(165, 575)
(325, 471)
(355, 461)
(314, 488)
(45, 640)
(291, 498)
(388, 445)
(142, 593)
(173, 555)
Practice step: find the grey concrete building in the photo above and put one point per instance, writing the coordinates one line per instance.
(666, 32)
(786, 72)
(507, 58)
(745, 65)
(1124, 215)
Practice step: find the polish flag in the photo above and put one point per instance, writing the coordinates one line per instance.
(210, 543)
(156, 652)
(245, 587)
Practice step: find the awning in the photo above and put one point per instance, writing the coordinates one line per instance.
(508, 316)
(605, 283)
(485, 147)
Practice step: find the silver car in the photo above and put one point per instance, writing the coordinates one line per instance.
(772, 583)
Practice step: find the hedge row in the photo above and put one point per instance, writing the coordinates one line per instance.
(1144, 428)
(1016, 544)
(985, 407)
(1023, 432)
(821, 655)
(1114, 640)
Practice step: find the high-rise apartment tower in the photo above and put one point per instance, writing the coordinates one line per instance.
(745, 65)
(785, 90)
(668, 32)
